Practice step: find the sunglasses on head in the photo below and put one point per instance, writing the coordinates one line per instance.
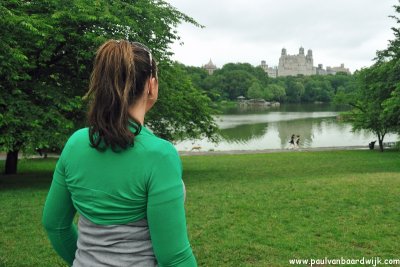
(145, 48)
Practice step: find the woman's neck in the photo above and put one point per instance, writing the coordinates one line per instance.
(138, 111)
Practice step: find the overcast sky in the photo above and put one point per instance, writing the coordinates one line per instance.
(340, 31)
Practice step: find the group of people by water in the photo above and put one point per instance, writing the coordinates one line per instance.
(294, 141)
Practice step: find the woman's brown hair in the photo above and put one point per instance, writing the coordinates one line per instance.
(120, 71)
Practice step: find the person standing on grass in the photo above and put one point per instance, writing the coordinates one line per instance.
(125, 183)
(291, 142)
(297, 141)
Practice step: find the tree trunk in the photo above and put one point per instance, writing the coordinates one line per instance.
(380, 139)
(11, 162)
(381, 145)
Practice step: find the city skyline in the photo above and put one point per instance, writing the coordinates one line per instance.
(276, 65)
(348, 32)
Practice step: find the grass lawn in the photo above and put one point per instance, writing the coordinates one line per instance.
(246, 210)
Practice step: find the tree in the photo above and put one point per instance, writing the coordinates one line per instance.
(392, 108)
(340, 79)
(29, 81)
(368, 101)
(276, 92)
(182, 109)
(232, 80)
(376, 105)
(255, 91)
(203, 81)
(46, 52)
(294, 89)
(392, 55)
(235, 79)
(197, 75)
(212, 85)
(236, 83)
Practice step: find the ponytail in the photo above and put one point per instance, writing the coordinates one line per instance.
(119, 74)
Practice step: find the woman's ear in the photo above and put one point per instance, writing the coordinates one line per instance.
(153, 89)
(152, 93)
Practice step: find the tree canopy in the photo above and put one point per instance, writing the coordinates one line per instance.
(46, 53)
(375, 100)
(243, 79)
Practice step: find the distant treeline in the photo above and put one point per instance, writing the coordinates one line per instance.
(243, 79)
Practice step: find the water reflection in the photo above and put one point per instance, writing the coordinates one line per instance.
(306, 128)
(286, 108)
(230, 121)
(271, 129)
(245, 132)
(302, 127)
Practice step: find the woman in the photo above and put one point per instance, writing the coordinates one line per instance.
(125, 183)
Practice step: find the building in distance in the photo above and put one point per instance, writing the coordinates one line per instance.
(210, 67)
(293, 65)
(300, 64)
(334, 70)
(271, 71)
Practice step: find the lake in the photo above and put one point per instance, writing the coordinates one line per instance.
(271, 128)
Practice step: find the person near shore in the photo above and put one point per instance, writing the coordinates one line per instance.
(125, 183)
(292, 142)
(297, 141)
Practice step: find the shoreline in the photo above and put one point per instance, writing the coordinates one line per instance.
(265, 151)
(229, 152)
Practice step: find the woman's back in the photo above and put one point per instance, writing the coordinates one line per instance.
(125, 182)
(111, 187)
(114, 245)
(123, 198)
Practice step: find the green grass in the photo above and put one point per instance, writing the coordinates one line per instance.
(246, 210)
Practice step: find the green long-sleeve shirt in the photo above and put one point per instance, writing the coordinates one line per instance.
(142, 182)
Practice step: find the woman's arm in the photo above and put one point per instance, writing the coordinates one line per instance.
(166, 213)
(58, 215)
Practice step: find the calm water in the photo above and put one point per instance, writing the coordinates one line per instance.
(272, 128)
